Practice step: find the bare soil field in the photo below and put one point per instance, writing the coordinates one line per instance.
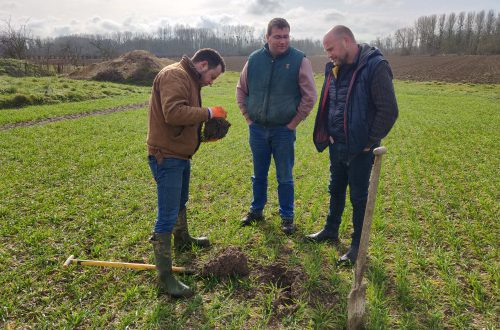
(449, 68)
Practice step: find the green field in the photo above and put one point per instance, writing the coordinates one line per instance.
(18, 92)
(83, 187)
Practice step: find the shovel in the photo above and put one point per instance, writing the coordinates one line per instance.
(115, 264)
(357, 297)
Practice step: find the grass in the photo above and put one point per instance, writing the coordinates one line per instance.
(83, 187)
(20, 68)
(38, 112)
(24, 91)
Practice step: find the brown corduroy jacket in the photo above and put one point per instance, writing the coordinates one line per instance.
(175, 113)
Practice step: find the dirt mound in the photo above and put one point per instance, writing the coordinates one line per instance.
(281, 283)
(289, 283)
(138, 66)
(230, 261)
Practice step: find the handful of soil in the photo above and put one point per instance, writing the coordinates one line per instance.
(215, 129)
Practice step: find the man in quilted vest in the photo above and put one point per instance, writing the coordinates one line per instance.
(357, 109)
(276, 91)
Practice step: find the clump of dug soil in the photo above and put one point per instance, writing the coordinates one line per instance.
(215, 129)
(137, 66)
(288, 281)
(231, 261)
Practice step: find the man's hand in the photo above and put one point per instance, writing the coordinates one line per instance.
(218, 112)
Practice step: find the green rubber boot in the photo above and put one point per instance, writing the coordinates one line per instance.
(182, 239)
(163, 260)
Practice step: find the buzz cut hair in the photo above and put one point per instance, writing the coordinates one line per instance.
(210, 55)
(343, 31)
(279, 23)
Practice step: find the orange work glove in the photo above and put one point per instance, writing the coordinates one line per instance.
(218, 112)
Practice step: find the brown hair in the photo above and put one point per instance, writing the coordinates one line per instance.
(211, 56)
(279, 23)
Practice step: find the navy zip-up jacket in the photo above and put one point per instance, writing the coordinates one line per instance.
(370, 103)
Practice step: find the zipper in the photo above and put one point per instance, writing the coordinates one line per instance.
(349, 90)
(325, 92)
(266, 106)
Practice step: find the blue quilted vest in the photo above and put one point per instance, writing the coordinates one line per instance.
(273, 86)
(359, 111)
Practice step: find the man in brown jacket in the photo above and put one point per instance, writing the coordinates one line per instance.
(174, 126)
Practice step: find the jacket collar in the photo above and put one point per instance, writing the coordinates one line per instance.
(266, 48)
(188, 65)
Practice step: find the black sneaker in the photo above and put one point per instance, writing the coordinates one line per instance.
(251, 218)
(349, 258)
(324, 236)
(287, 226)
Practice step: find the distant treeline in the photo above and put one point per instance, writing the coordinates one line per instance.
(168, 41)
(463, 33)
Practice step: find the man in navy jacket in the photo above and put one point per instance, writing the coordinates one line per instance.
(357, 109)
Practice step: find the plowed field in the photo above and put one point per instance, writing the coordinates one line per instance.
(450, 68)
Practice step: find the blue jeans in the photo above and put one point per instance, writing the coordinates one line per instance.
(172, 185)
(278, 142)
(356, 174)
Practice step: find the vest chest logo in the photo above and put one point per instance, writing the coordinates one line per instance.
(287, 66)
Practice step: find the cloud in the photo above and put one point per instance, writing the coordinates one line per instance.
(110, 26)
(305, 22)
(334, 15)
(260, 7)
(8, 6)
(62, 30)
(395, 3)
(213, 22)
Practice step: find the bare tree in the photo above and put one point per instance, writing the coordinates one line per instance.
(388, 43)
(479, 31)
(450, 35)
(440, 38)
(460, 31)
(486, 43)
(465, 33)
(14, 41)
(469, 31)
(105, 45)
(496, 36)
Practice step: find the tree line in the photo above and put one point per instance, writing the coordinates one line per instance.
(167, 41)
(471, 33)
(462, 33)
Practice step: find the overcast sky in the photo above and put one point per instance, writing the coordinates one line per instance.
(367, 18)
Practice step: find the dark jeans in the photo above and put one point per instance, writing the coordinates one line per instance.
(356, 174)
(172, 186)
(277, 142)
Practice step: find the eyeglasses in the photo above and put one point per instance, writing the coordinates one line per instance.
(281, 37)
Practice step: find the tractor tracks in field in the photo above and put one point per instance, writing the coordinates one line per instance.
(73, 116)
